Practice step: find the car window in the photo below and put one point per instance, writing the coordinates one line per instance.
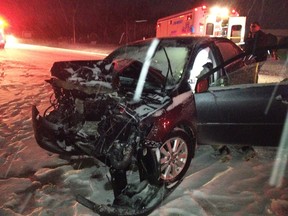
(227, 49)
(165, 68)
(204, 61)
(174, 57)
(270, 71)
(129, 70)
(136, 52)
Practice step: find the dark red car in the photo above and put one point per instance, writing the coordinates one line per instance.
(2, 39)
(148, 104)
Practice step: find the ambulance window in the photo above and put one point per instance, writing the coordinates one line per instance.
(236, 33)
(189, 17)
(209, 28)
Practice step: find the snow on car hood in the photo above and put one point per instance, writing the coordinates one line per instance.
(81, 74)
(88, 77)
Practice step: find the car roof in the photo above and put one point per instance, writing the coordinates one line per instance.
(192, 39)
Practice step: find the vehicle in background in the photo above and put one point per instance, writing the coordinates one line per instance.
(145, 107)
(2, 34)
(212, 21)
(2, 39)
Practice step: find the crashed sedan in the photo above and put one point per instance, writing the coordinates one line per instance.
(148, 104)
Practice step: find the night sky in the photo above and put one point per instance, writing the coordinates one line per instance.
(110, 18)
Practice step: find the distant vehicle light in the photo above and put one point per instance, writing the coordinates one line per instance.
(225, 12)
(215, 10)
(3, 23)
(11, 40)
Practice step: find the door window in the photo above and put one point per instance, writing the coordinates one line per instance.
(228, 50)
(203, 62)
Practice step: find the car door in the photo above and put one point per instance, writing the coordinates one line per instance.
(243, 113)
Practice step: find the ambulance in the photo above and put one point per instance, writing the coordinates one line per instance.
(213, 21)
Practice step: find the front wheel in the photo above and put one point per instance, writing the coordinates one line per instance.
(175, 156)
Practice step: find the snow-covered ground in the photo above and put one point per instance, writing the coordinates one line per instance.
(34, 182)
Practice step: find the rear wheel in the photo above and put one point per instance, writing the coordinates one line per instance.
(175, 156)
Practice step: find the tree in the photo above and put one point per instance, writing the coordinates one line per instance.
(72, 9)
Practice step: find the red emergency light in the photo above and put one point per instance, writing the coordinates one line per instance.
(234, 12)
(3, 22)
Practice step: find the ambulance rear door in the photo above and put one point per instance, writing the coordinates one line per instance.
(236, 29)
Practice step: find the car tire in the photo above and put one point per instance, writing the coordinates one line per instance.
(176, 154)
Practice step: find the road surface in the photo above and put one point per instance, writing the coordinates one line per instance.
(43, 56)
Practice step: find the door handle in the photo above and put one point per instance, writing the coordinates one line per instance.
(280, 98)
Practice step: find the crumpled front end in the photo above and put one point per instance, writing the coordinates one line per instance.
(93, 112)
(79, 90)
(47, 133)
(88, 115)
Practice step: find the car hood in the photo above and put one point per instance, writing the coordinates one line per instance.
(87, 80)
(83, 75)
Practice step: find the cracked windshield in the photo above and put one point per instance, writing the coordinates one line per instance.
(165, 107)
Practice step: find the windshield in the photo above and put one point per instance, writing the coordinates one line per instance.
(165, 69)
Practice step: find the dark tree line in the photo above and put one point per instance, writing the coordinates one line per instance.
(111, 20)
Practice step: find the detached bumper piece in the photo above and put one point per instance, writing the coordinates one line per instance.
(135, 200)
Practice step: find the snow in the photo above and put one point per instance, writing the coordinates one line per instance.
(34, 182)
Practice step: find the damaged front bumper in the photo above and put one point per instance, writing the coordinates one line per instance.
(136, 199)
(47, 134)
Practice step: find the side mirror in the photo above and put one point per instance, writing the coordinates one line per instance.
(202, 86)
